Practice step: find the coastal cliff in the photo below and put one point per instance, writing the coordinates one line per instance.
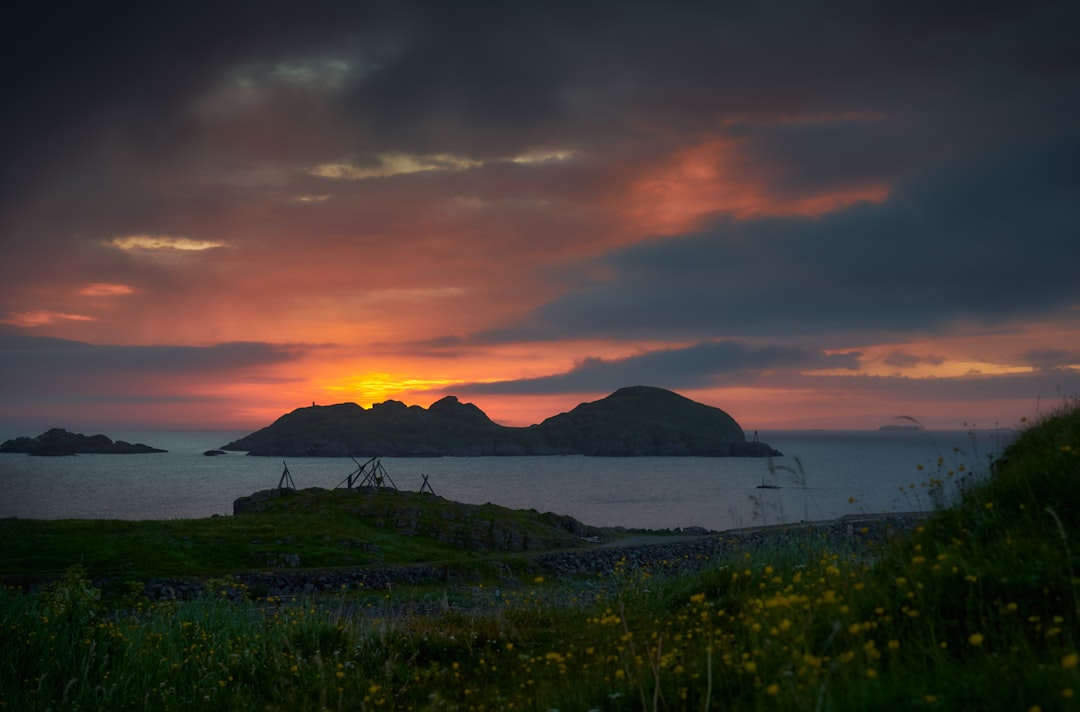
(633, 421)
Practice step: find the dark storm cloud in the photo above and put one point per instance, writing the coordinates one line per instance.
(1052, 359)
(494, 78)
(83, 75)
(832, 155)
(699, 366)
(107, 131)
(903, 359)
(711, 365)
(1040, 389)
(490, 78)
(982, 240)
(39, 366)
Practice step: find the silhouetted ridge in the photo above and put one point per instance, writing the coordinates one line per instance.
(637, 420)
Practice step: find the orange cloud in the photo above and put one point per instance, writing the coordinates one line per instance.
(716, 177)
(102, 289)
(41, 318)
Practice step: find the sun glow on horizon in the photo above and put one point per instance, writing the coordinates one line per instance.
(377, 386)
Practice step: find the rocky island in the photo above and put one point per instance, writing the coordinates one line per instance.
(58, 441)
(633, 421)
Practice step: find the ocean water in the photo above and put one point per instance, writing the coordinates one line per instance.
(822, 475)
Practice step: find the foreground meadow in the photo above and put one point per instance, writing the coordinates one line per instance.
(976, 609)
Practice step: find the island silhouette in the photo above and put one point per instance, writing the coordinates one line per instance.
(60, 442)
(632, 421)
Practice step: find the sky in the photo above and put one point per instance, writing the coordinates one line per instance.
(808, 214)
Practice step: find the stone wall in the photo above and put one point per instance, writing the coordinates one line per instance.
(683, 554)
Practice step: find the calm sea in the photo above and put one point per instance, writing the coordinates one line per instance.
(823, 475)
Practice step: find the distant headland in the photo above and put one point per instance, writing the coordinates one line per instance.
(632, 421)
(58, 441)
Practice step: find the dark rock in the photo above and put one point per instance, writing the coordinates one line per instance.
(58, 441)
(213, 453)
(639, 420)
(256, 502)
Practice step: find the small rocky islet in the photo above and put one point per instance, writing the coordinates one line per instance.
(57, 442)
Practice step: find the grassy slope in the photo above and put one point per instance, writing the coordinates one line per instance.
(327, 528)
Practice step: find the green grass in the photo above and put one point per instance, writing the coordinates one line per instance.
(324, 529)
(978, 609)
(200, 547)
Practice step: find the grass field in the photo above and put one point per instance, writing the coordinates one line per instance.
(977, 609)
(320, 529)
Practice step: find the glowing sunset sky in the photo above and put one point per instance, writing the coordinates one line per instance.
(807, 214)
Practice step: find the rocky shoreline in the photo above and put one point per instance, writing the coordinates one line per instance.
(668, 553)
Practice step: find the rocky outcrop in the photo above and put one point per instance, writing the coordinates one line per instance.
(638, 420)
(58, 441)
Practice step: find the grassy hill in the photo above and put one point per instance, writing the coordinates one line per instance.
(311, 528)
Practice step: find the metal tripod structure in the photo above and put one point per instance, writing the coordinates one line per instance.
(286, 481)
(370, 474)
